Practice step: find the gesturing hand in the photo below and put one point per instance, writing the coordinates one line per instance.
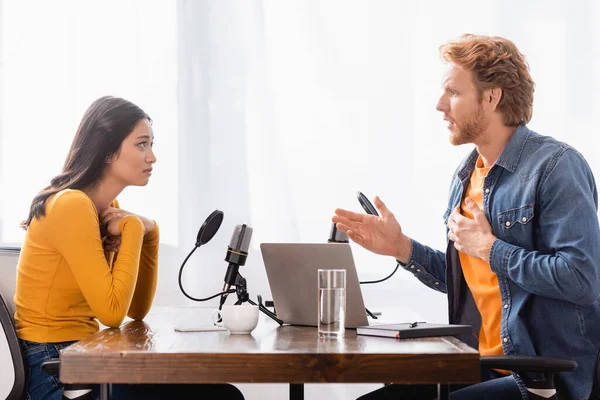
(381, 235)
(472, 237)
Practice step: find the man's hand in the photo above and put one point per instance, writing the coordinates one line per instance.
(381, 235)
(472, 237)
(112, 214)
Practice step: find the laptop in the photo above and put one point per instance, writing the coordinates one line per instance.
(292, 274)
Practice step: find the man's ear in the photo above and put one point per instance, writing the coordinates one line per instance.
(492, 97)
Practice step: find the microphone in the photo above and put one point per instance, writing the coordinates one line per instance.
(337, 236)
(237, 252)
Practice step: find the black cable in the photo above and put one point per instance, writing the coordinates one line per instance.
(378, 281)
(266, 311)
(181, 286)
(370, 313)
(384, 279)
(241, 284)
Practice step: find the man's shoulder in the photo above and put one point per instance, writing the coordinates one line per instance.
(543, 154)
(537, 141)
(547, 149)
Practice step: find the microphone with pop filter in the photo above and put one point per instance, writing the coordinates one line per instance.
(209, 228)
(236, 256)
(370, 209)
(207, 231)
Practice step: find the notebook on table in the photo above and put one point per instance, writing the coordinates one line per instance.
(413, 330)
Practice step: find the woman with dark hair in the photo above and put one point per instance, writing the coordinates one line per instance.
(84, 259)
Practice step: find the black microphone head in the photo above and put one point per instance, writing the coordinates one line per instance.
(237, 252)
(209, 228)
(240, 240)
(337, 236)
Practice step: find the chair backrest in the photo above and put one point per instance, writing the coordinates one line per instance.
(595, 395)
(12, 383)
(9, 258)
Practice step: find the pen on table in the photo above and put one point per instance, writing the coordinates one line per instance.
(414, 324)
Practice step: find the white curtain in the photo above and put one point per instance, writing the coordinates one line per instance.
(57, 57)
(275, 112)
(305, 103)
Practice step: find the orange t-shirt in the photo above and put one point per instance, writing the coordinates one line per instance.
(482, 282)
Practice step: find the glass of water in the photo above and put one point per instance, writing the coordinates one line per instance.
(332, 302)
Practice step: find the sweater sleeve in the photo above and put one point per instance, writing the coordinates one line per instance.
(147, 276)
(75, 233)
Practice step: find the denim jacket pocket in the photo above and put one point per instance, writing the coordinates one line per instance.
(515, 223)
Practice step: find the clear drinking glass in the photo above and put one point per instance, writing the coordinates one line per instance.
(332, 302)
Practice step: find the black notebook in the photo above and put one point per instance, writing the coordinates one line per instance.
(413, 330)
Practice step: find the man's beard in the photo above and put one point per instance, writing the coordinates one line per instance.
(470, 128)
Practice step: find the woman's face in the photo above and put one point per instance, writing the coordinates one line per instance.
(133, 164)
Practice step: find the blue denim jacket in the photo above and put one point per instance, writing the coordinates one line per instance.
(541, 201)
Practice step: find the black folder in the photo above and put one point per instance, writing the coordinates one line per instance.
(413, 330)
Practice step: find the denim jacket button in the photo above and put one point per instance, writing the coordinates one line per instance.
(505, 340)
(412, 267)
(507, 223)
(487, 190)
(506, 306)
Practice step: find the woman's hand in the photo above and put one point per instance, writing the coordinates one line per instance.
(109, 223)
(111, 243)
(111, 213)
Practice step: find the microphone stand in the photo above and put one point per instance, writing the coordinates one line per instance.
(337, 236)
(243, 297)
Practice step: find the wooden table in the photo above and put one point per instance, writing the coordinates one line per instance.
(151, 351)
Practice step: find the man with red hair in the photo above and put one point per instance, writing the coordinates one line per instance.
(522, 264)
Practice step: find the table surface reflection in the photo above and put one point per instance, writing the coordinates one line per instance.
(151, 351)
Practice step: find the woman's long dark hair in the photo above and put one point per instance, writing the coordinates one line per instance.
(104, 126)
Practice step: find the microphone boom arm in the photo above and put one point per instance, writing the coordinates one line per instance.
(224, 293)
(242, 294)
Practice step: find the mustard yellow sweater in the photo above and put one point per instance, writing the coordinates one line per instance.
(65, 280)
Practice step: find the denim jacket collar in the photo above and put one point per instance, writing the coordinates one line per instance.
(509, 159)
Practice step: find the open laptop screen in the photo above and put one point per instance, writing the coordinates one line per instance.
(292, 274)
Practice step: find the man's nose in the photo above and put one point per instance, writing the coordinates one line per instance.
(442, 105)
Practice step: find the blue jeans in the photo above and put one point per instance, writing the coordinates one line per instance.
(43, 386)
(493, 386)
